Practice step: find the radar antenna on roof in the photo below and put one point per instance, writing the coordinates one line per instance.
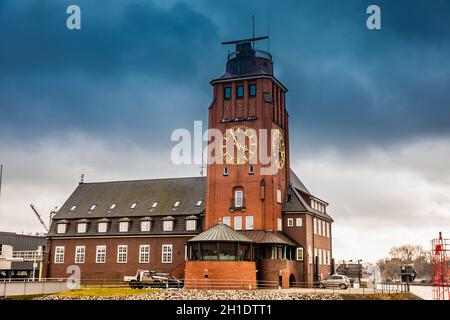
(253, 39)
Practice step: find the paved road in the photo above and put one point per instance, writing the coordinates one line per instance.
(424, 292)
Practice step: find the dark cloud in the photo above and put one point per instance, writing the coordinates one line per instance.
(349, 86)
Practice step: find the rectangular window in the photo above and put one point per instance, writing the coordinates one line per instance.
(299, 254)
(113, 206)
(59, 255)
(191, 225)
(279, 196)
(324, 228)
(167, 253)
(329, 257)
(122, 253)
(240, 92)
(319, 226)
(146, 226)
(238, 198)
(238, 223)
(167, 225)
(290, 222)
(123, 226)
(227, 93)
(133, 205)
(315, 226)
(61, 228)
(279, 224)
(80, 254)
(81, 228)
(310, 257)
(328, 229)
(144, 253)
(225, 171)
(320, 257)
(199, 203)
(176, 204)
(100, 254)
(299, 222)
(252, 90)
(227, 221)
(92, 208)
(73, 208)
(249, 223)
(102, 227)
(154, 205)
(251, 170)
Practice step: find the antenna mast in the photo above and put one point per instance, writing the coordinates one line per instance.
(253, 20)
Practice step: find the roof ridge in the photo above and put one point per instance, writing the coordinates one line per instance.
(141, 180)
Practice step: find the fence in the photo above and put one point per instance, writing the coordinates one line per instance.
(9, 288)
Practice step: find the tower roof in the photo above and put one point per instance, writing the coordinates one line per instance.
(221, 233)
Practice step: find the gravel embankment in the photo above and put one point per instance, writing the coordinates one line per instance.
(206, 295)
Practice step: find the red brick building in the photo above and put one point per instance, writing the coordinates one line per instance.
(238, 218)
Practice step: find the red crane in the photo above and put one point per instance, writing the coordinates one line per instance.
(440, 250)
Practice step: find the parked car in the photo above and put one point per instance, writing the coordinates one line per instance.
(152, 279)
(335, 280)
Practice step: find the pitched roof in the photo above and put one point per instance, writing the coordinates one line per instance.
(188, 191)
(297, 183)
(268, 237)
(221, 233)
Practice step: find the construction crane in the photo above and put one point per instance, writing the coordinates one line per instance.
(39, 217)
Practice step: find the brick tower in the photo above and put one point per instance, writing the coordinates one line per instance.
(248, 99)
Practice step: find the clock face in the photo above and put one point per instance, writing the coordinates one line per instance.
(278, 149)
(239, 146)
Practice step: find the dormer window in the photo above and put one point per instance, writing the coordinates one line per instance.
(61, 228)
(73, 208)
(113, 206)
(168, 224)
(191, 223)
(81, 227)
(102, 227)
(176, 204)
(146, 224)
(124, 226)
(199, 203)
(154, 205)
(133, 205)
(92, 208)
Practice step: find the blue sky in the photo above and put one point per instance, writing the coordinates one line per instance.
(369, 110)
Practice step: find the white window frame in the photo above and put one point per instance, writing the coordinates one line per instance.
(147, 224)
(279, 224)
(249, 223)
(320, 257)
(80, 254)
(100, 226)
(113, 206)
(299, 254)
(290, 222)
(191, 225)
(328, 229)
(92, 208)
(122, 255)
(82, 227)
(251, 170)
(124, 226)
(144, 253)
(319, 227)
(167, 253)
(154, 205)
(329, 257)
(226, 172)
(237, 223)
(199, 203)
(73, 208)
(238, 198)
(100, 254)
(227, 220)
(315, 225)
(315, 254)
(279, 196)
(61, 228)
(176, 204)
(310, 256)
(59, 254)
(168, 225)
(299, 222)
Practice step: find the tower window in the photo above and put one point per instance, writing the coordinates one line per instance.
(227, 93)
(225, 171)
(251, 170)
(240, 92)
(238, 199)
(252, 90)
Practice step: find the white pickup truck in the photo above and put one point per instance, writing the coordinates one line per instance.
(152, 279)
